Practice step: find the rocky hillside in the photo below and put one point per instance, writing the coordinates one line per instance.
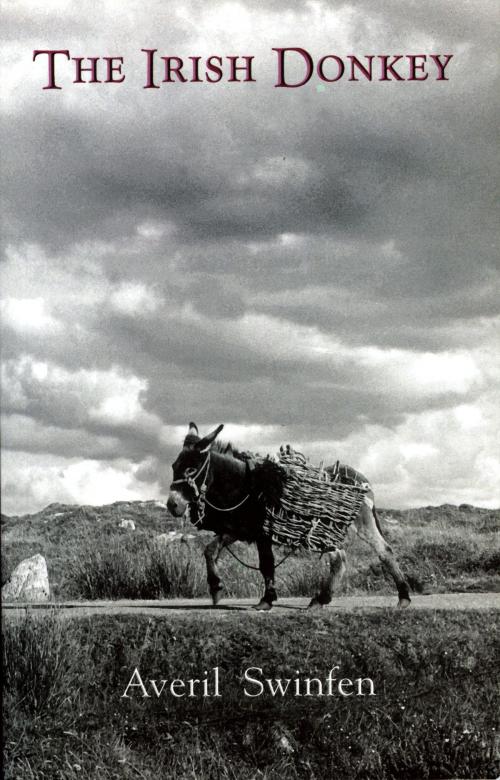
(153, 517)
(65, 519)
(457, 541)
(61, 531)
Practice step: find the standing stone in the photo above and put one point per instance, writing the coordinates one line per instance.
(126, 523)
(168, 538)
(28, 582)
(174, 536)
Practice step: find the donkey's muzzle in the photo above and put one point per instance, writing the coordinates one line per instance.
(176, 505)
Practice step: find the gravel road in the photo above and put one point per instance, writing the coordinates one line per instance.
(434, 601)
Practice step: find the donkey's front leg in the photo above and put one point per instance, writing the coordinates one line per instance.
(212, 552)
(266, 566)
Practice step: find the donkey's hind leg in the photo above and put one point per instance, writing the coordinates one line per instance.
(368, 529)
(212, 552)
(337, 567)
(266, 566)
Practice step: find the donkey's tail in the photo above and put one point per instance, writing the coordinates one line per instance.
(377, 522)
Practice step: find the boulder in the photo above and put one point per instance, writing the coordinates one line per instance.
(168, 538)
(124, 523)
(174, 536)
(28, 582)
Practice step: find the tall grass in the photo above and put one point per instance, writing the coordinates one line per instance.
(440, 549)
(445, 554)
(134, 566)
(433, 715)
(38, 660)
(148, 571)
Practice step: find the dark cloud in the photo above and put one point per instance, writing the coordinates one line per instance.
(362, 212)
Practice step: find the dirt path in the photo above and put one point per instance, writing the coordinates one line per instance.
(447, 601)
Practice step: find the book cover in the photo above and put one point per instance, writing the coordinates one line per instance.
(277, 217)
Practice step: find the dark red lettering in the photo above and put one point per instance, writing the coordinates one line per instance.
(367, 72)
(217, 69)
(196, 71)
(150, 83)
(92, 69)
(440, 66)
(417, 68)
(340, 68)
(114, 65)
(51, 53)
(281, 67)
(173, 65)
(388, 67)
(247, 67)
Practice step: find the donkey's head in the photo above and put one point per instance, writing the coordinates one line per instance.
(190, 469)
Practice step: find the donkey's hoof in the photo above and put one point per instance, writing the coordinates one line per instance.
(404, 603)
(315, 604)
(216, 597)
(262, 606)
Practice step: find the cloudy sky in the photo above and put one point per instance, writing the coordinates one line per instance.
(315, 266)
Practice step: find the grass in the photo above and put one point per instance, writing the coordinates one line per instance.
(38, 663)
(130, 566)
(90, 557)
(61, 533)
(434, 714)
(124, 569)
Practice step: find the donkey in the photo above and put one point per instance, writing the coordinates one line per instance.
(224, 494)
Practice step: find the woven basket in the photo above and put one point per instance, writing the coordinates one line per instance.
(316, 509)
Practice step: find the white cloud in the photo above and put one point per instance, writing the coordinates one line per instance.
(28, 315)
(353, 233)
(64, 285)
(134, 298)
(109, 397)
(30, 482)
(278, 171)
(154, 230)
(430, 458)
(388, 371)
(421, 374)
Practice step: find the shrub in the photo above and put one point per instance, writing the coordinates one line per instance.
(303, 575)
(433, 715)
(38, 657)
(145, 571)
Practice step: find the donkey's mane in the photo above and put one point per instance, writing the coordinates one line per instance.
(267, 477)
(227, 448)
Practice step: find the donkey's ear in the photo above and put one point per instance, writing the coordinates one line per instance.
(193, 429)
(205, 443)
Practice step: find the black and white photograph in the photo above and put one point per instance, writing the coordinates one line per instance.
(250, 419)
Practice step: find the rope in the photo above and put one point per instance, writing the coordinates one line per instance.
(200, 493)
(247, 565)
(256, 568)
(202, 499)
(229, 509)
(191, 481)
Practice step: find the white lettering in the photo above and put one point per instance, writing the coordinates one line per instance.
(131, 684)
(250, 679)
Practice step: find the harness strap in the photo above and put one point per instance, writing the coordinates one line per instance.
(256, 568)
(200, 493)
(290, 552)
(228, 509)
(191, 481)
